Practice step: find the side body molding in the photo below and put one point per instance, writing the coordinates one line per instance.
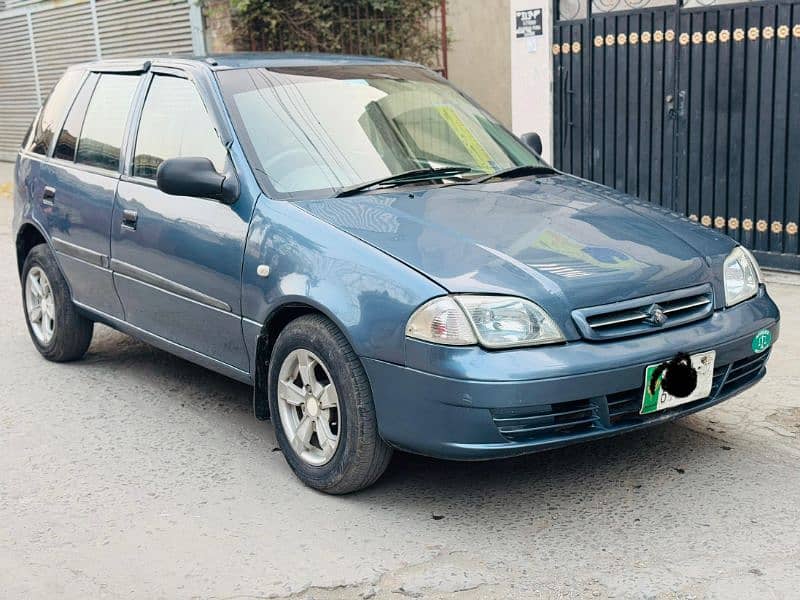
(85, 254)
(168, 285)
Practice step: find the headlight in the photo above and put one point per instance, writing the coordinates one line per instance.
(494, 321)
(755, 264)
(742, 276)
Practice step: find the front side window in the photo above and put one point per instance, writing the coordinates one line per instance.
(53, 112)
(316, 129)
(174, 123)
(104, 124)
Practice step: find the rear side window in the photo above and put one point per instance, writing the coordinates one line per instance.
(68, 138)
(104, 124)
(28, 139)
(174, 123)
(53, 112)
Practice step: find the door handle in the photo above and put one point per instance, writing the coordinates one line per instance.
(129, 219)
(49, 195)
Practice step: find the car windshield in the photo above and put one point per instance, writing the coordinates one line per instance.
(314, 130)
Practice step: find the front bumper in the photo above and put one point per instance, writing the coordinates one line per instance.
(532, 399)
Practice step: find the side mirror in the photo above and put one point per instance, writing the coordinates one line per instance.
(532, 141)
(196, 176)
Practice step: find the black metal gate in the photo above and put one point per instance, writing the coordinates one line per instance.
(693, 105)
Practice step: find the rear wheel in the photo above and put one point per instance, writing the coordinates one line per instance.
(58, 331)
(322, 408)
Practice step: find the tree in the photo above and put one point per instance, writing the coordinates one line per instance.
(404, 29)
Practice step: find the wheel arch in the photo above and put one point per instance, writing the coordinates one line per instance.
(271, 328)
(28, 236)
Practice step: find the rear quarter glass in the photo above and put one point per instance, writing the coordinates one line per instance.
(52, 114)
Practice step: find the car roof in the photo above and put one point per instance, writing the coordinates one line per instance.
(241, 60)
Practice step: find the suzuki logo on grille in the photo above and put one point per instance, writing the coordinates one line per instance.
(655, 316)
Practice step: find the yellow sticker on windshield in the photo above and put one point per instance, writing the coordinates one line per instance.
(466, 137)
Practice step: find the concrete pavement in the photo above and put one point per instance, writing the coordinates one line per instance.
(133, 474)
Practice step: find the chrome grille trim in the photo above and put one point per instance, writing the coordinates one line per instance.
(628, 318)
(702, 301)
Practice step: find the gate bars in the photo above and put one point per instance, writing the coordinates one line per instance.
(694, 107)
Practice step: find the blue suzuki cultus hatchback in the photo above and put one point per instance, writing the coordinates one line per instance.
(378, 257)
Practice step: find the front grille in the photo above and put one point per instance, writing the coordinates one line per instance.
(624, 405)
(621, 409)
(743, 372)
(638, 316)
(546, 420)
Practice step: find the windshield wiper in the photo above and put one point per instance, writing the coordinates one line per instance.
(401, 178)
(518, 171)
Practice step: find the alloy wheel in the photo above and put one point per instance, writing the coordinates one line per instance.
(309, 407)
(40, 304)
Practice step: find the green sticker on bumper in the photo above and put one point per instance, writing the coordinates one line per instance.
(762, 341)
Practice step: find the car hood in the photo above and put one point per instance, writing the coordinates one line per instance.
(561, 241)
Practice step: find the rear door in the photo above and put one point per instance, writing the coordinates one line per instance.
(79, 183)
(39, 142)
(177, 260)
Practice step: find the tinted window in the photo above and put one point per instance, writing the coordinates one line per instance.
(104, 125)
(174, 123)
(53, 111)
(28, 139)
(67, 140)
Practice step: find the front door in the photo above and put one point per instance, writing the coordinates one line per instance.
(177, 260)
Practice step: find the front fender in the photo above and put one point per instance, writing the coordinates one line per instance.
(368, 294)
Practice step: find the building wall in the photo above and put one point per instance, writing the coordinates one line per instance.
(478, 58)
(41, 38)
(532, 77)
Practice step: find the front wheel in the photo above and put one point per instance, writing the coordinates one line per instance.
(321, 405)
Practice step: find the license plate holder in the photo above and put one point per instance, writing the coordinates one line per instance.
(703, 362)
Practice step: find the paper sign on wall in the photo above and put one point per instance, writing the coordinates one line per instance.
(529, 22)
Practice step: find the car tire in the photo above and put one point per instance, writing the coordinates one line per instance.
(60, 334)
(360, 456)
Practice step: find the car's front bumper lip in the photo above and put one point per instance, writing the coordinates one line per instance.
(449, 417)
